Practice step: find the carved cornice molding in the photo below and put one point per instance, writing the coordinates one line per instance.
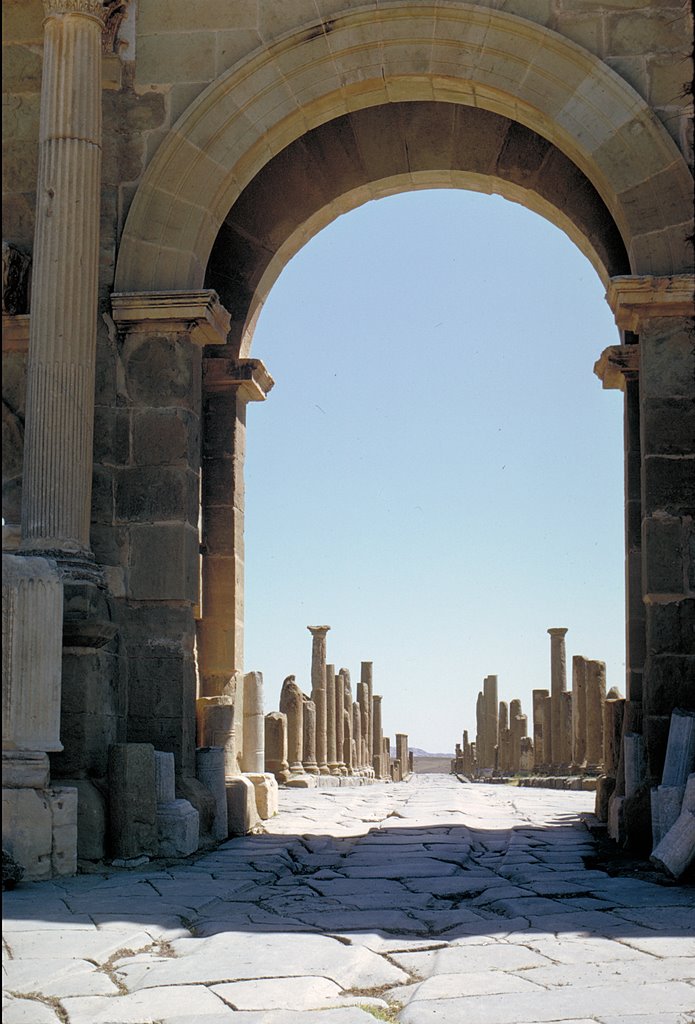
(248, 376)
(199, 313)
(616, 364)
(93, 8)
(635, 299)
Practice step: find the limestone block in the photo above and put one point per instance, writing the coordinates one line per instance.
(616, 826)
(63, 804)
(633, 747)
(209, 763)
(178, 828)
(164, 777)
(242, 815)
(302, 781)
(32, 632)
(27, 830)
(605, 785)
(132, 800)
(676, 851)
(91, 819)
(680, 749)
(25, 769)
(267, 794)
(666, 802)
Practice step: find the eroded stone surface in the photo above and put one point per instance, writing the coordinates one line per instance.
(284, 926)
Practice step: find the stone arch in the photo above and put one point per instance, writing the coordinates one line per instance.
(452, 53)
(380, 150)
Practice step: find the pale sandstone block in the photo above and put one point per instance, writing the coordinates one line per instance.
(27, 830)
(267, 794)
(209, 763)
(242, 814)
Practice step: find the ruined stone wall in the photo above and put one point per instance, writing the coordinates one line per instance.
(150, 393)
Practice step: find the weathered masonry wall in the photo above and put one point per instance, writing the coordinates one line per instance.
(215, 140)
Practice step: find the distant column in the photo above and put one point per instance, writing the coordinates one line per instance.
(339, 696)
(480, 729)
(558, 685)
(330, 721)
(292, 705)
(318, 693)
(503, 737)
(539, 727)
(579, 687)
(566, 736)
(347, 720)
(276, 746)
(491, 711)
(309, 748)
(253, 729)
(377, 740)
(357, 737)
(595, 699)
(366, 677)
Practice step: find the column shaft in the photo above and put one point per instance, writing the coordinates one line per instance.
(56, 498)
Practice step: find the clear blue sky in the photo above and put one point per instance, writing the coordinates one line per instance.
(437, 473)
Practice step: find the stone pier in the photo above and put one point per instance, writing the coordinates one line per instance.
(377, 734)
(540, 727)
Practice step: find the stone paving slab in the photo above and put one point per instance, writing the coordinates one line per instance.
(449, 903)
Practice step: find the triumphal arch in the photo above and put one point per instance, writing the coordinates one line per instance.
(164, 160)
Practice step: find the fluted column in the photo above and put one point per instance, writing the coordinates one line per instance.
(318, 692)
(56, 493)
(558, 685)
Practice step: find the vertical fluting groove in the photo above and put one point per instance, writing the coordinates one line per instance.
(60, 392)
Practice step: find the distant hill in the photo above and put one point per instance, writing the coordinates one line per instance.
(419, 752)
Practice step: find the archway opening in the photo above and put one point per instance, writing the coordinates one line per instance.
(437, 473)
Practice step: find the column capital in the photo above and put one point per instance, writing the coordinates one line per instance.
(318, 630)
(248, 376)
(558, 631)
(635, 299)
(92, 8)
(616, 364)
(199, 313)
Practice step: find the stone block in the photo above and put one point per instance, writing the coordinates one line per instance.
(267, 794)
(177, 829)
(111, 435)
(162, 370)
(164, 777)
(680, 749)
(302, 781)
(27, 830)
(63, 803)
(164, 563)
(132, 801)
(166, 437)
(242, 815)
(666, 804)
(647, 33)
(192, 55)
(32, 627)
(676, 851)
(156, 494)
(210, 772)
(92, 816)
(605, 785)
(25, 769)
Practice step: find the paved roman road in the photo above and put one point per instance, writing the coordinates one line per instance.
(419, 902)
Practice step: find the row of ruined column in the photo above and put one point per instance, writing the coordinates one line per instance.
(328, 733)
(568, 725)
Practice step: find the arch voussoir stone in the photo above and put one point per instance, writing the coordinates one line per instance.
(456, 53)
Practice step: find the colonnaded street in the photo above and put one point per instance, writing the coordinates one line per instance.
(424, 901)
